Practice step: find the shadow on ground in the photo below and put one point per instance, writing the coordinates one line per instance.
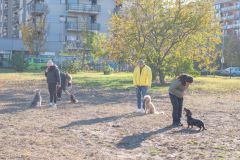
(100, 120)
(185, 131)
(134, 141)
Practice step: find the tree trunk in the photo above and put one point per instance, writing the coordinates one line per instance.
(83, 61)
(154, 76)
(161, 77)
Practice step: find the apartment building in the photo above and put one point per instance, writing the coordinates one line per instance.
(228, 12)
(65, 21)
(9, 18)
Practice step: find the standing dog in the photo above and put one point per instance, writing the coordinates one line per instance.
(149, 107)
(37, 99)
(193, 122)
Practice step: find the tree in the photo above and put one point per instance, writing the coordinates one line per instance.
(34, 34)
(232, 51)
(18, 62)
(164, 33)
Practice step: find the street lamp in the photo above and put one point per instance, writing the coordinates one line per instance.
(222, 57)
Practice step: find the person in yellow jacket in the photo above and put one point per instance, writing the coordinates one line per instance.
(142, 80)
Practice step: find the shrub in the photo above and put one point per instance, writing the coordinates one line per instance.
(18, 62)
(71, 66)
(107, 69)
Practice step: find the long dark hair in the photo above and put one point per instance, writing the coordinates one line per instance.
(185, 78)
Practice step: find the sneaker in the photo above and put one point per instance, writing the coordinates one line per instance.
(50, 104)
(142, 110)
(54, 105)
(177, 125)
(139, 110)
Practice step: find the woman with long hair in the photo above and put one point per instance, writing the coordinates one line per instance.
(176, 93)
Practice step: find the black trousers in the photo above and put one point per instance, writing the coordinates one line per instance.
(52, 88)
(177, 104)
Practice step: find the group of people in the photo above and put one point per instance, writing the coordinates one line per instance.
(57, 82)
(142, 80)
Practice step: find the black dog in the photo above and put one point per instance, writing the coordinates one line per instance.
(193, 122)
(73, 99)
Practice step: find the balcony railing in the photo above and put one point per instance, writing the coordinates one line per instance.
(73, 45)
(84, 8)
(232, 26)
(74, 26)
(38, 9)
(230, 8)
(222, 1)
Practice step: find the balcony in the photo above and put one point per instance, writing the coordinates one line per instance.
(38, 9)
(230, 8)
(231, 17)
(232, 26)
(78, 27)
(222, 1)
(73, 45)
(84, 8)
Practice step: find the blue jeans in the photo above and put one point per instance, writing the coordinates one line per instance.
(141, 91)
(177, 104)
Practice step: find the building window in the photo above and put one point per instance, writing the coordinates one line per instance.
(71, 38)
(62, 1)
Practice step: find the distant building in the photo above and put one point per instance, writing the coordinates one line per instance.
(65, 20)
(228, 12)
(9, 18)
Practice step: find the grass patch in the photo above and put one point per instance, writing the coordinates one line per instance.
(99, 80)
(123, 81)
(22, 76)
(216, 84)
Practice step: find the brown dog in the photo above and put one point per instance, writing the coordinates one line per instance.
(149, 107)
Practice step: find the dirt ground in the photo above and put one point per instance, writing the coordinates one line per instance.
(104, 126)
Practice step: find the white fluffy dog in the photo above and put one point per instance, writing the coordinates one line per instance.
(149, 107)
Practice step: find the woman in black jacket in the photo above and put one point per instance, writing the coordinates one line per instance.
(53, 79)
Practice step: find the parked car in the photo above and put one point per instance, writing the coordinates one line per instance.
(233, 71)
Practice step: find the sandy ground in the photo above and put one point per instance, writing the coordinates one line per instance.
(104, 125)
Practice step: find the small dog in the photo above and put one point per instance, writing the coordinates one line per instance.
(149, 107)
(37, 99)
(193, 122)
(73, 99)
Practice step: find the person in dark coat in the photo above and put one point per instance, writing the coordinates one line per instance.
(53, 79)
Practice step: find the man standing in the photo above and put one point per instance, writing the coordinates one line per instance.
(142, 80)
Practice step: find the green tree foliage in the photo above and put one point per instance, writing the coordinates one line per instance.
(18, 62)
(165, 33)
(71, 66)
(34, 36)
(232, 51)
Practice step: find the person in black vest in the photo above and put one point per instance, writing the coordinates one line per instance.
(53, 79)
